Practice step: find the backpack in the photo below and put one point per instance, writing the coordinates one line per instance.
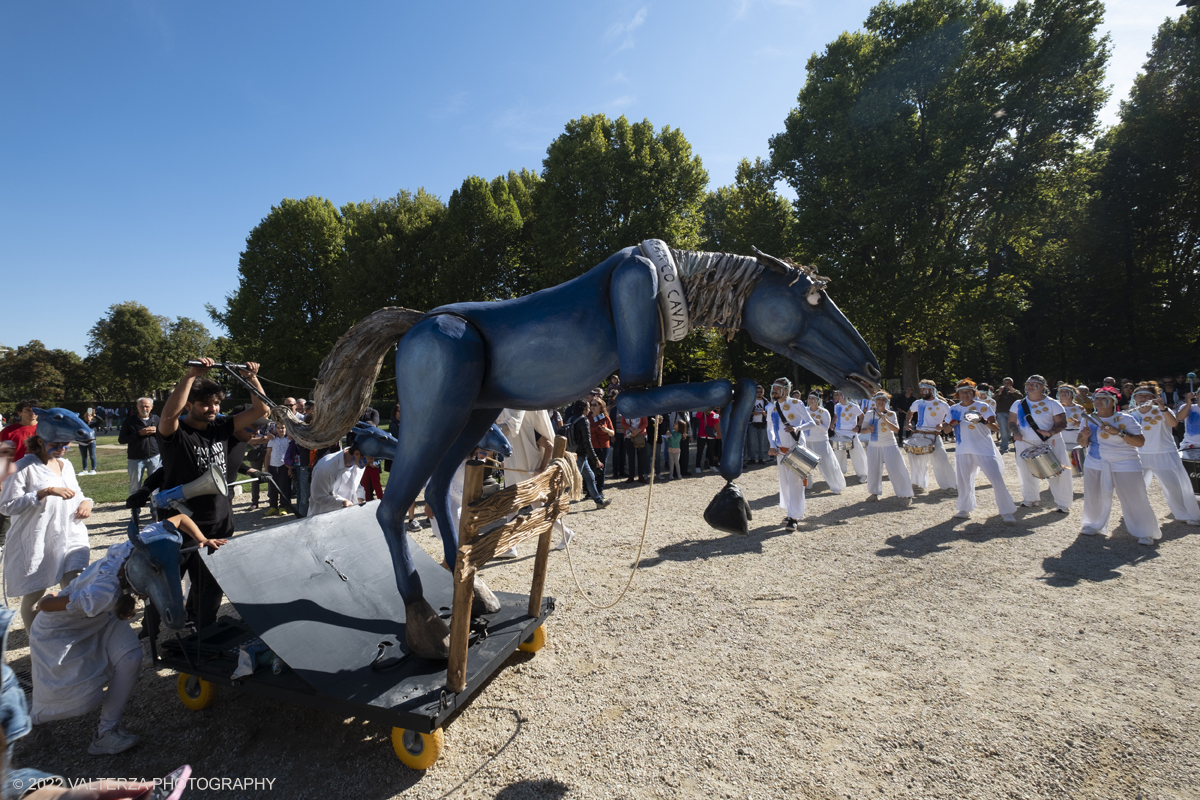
(568, 431)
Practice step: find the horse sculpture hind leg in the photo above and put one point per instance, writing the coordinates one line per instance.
(442, 360)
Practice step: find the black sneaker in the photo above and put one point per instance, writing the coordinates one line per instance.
(603, 502)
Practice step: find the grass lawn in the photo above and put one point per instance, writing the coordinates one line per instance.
(113, 486)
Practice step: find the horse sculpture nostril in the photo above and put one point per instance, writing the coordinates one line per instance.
(872, 372)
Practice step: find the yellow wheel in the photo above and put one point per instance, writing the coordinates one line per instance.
(418, 750)
(535, 642)
(196, 693)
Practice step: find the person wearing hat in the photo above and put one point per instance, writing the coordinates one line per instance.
(930, 413)
(818, 442)
(1112, 438)
(847, 417)
(881, 424)
(787, 420)
(1158, 455)
(1038, 420)
(973, 424)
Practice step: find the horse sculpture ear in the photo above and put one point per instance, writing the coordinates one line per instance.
(134, 537)
(771, 262)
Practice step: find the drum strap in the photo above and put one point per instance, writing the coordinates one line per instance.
(1030, 420)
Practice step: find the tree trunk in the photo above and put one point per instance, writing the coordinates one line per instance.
(889, 358)
(910, 369)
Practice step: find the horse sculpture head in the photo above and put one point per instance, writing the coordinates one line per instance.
(60, 425)
(372, 442)
(495, 441)
(790, 313)
(152, 569)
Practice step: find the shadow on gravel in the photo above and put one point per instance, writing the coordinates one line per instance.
(1097, 558)
(939, 537)
(534, 790)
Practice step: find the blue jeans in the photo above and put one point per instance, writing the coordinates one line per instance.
(303, 479)
(136, 465)
(86, 451)
(602, 454)
(757, 443)
(589, 478)
(1005, 435)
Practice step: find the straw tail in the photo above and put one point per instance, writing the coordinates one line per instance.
(347, 377)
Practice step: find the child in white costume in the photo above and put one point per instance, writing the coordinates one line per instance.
(787, 420)
(881, 424)
(973, 423)
(930, 413)
(1051, 419)
(849, 416)
(1113, 464)
(818, 442)
(1158, 455)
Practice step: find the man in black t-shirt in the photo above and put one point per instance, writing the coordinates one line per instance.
(190, 446)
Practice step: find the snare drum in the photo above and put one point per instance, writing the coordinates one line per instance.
(1192, 467)
(1078, 457)
(801, 460)
(1190, 454)
(920, 444)
(1041, 461)
(841, 441)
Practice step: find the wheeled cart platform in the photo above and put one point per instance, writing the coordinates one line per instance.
(321, 593)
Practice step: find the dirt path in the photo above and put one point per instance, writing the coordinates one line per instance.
(876, 652)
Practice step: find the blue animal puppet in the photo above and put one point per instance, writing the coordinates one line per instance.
(459, 365)
(59, 425)
(152, 569)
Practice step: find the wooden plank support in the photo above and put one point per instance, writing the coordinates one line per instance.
(543, 549)
(464, 584)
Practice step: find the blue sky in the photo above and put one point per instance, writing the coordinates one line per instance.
(142, 141)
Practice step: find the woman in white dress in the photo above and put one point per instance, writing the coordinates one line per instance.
(818, 442)
(1113, 465)
(1158, 455)
(973, 423)
(881, 425)
(47, 543)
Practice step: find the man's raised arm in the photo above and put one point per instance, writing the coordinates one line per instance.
(168, 420)
(257, 409)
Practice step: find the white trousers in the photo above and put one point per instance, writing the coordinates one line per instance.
(1098, 486)
(918, 466)
(858, 456)
(791, 490)
(888, 455)
(830, 468)
(965, 467)
(1176, 485)
(1060, 486)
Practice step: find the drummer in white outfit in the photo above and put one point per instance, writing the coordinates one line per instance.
(849, 416)
(818, 442)
(975, 451)
(1074, 414)
(787, 420)
(1051, 420)
(1158, 455)
(1113, 464)
(1189, 415)
(931, 412)
(882, 426)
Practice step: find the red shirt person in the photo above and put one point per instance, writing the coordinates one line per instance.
(19, 431)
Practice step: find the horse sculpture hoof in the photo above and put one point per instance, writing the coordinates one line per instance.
(425, 633)
(485, 601)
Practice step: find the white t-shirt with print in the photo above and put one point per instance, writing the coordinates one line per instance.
(821, 432)
(1111, 448)
(1074, 416)
(1043, 411)
(795, 414)
(973, 438)
(881, 435)
(929, 414)
(1159, 434)
(848, 415)
(278, 448)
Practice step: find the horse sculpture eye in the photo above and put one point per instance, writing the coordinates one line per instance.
(814, 296)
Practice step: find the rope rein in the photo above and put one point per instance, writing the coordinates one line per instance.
(645, 521)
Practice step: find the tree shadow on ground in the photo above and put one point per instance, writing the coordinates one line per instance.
(1095, 559)
(548, 789)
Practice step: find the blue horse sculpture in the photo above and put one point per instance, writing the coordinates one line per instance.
(459, 365)
(59, 425)
(152, 569)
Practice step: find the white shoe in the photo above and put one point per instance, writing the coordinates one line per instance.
(509, 553)
(862, 478)
(1146, 540)
(962, 514)
(905, 502)
(871, 498)
(1090, 532)
(712, 469)
(565, 540)
(1030, 504)
(1063, 510)
(697, 470)
(918, 489)
(112, 742)
(1008, 518)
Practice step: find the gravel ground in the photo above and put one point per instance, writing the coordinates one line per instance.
(876, 652)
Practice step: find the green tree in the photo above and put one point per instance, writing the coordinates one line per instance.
(608, 184)
(478, 244)
(127, 346)
(285, 312)
(921, 151)
(34, 372)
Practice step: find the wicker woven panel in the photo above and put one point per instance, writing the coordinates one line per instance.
(520, 530)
